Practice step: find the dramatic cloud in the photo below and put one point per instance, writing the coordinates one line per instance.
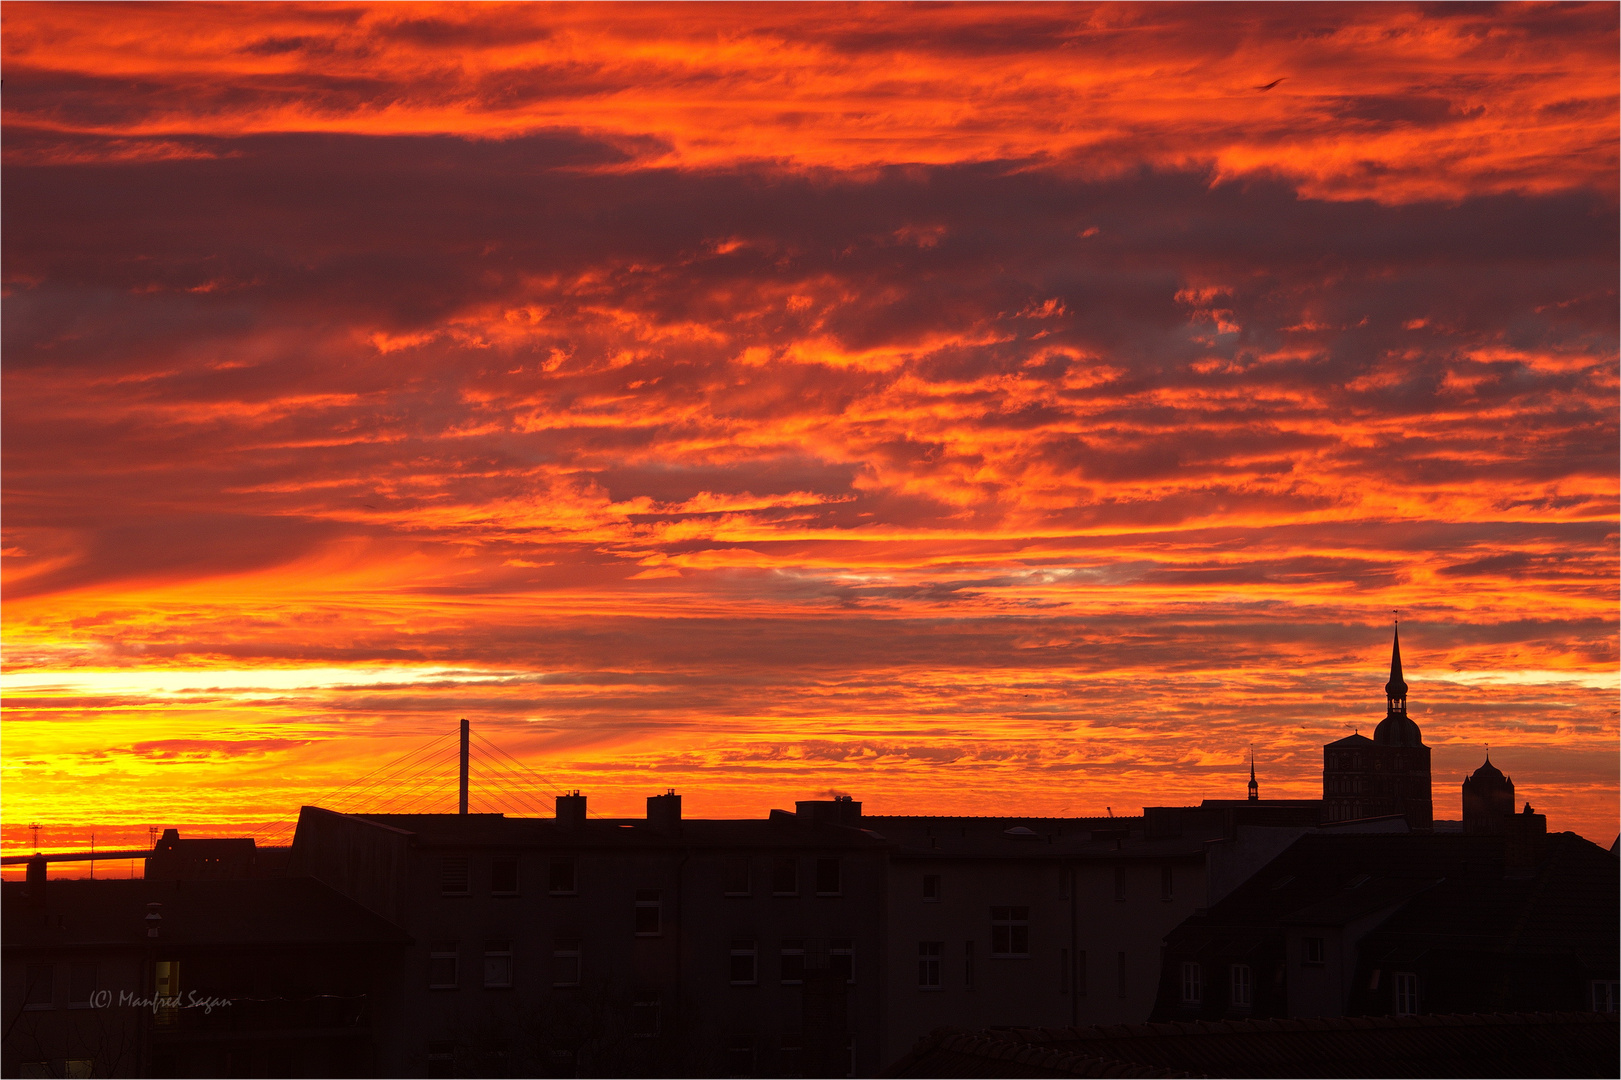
(947, 405)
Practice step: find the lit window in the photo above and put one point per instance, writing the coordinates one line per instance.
(828, 878)
(793, 962)
(644, 1016)
(1243, 986)
(1010, 931)
(442, 967)
(1312, 952)
(931, 887)
(785, 877)
(79, 1068)
(1406, 993)
(737, 876)
(504, 875)
(745, 963)
(649, 910)
(928, 964)
(1604, 995)
(453, 876)
(566, 962)
(560, 881)
(497, 963)
(166, 984)
(842, 958)
(1192, 983)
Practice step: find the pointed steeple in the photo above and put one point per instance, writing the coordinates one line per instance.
(1255, 789)
(1396, 688)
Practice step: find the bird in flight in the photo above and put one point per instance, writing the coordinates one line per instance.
(1271, 84)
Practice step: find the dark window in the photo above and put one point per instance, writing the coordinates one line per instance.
(1166, 883)
(442, 967)
(1010, 931)
(1406, 993)
(931, 887)
(1120, 882)
(745, 963)
(1243, 986)
(441, 1059)
(1192, 983)
(737, 876)
(1121, 974)
(1080, 973)
(842, 958)
(793, 961)
(649, 909)
(566, 962)
(785, 876)
(560, 881)
(968, 965)
(453, 875)
(504, 875)
(828, 881)
(81, 986)
(41, 986)
(644, 1016)
(1063, 971)
(740, 1056)
(498, 964)
(1604, 994)
(1063, 882)
(928, 964)
(1313, 951)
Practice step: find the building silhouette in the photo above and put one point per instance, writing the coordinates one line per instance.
(1388, 774)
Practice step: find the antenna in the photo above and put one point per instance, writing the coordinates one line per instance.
(36, 827)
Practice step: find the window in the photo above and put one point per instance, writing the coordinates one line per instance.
(81, 986)
(745, 963)
(644, 1016)
(828, 878)
(842, 958)
(1120, 882)
(441, 1058)
(497, 964)
(1166, 883)
(649, 909)
(931, 888)
(1406, 993)
(1312, 951)
(166, 984)
(442, 967)
(785, 877)
(1063, 971)
(453, 876)
(791, 1054)
(1604, 995)
(793, 961)
(740, 1056)
(1121, 974)
(504, 875)
(41, 987)
(928, 964)
(1192, 983)
(77, 1068)
(560, 878)
(1063, 882)
(1080, 973)
(737, 876)
(968, 965)
(566, 962)
(1010, 931)
(1242, 986)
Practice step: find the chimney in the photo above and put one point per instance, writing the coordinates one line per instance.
(571, 810)
(1523, 835)
(843, 810)
(664, 812)
(34, 883)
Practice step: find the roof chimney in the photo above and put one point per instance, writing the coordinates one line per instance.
(34, 883)
(571, 809)
(664, 812)
(842, 810)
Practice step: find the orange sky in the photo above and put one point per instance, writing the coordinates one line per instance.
(972, 408)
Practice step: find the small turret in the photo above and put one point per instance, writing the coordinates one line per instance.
(1255, 789)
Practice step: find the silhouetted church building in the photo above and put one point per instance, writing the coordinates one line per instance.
(1386, 775)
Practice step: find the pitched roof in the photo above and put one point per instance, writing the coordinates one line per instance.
(1487, 1045)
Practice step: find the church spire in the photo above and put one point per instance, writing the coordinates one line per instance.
(1255, 790)
(1396, 688)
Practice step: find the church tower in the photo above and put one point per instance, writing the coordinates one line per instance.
(1387, 774)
